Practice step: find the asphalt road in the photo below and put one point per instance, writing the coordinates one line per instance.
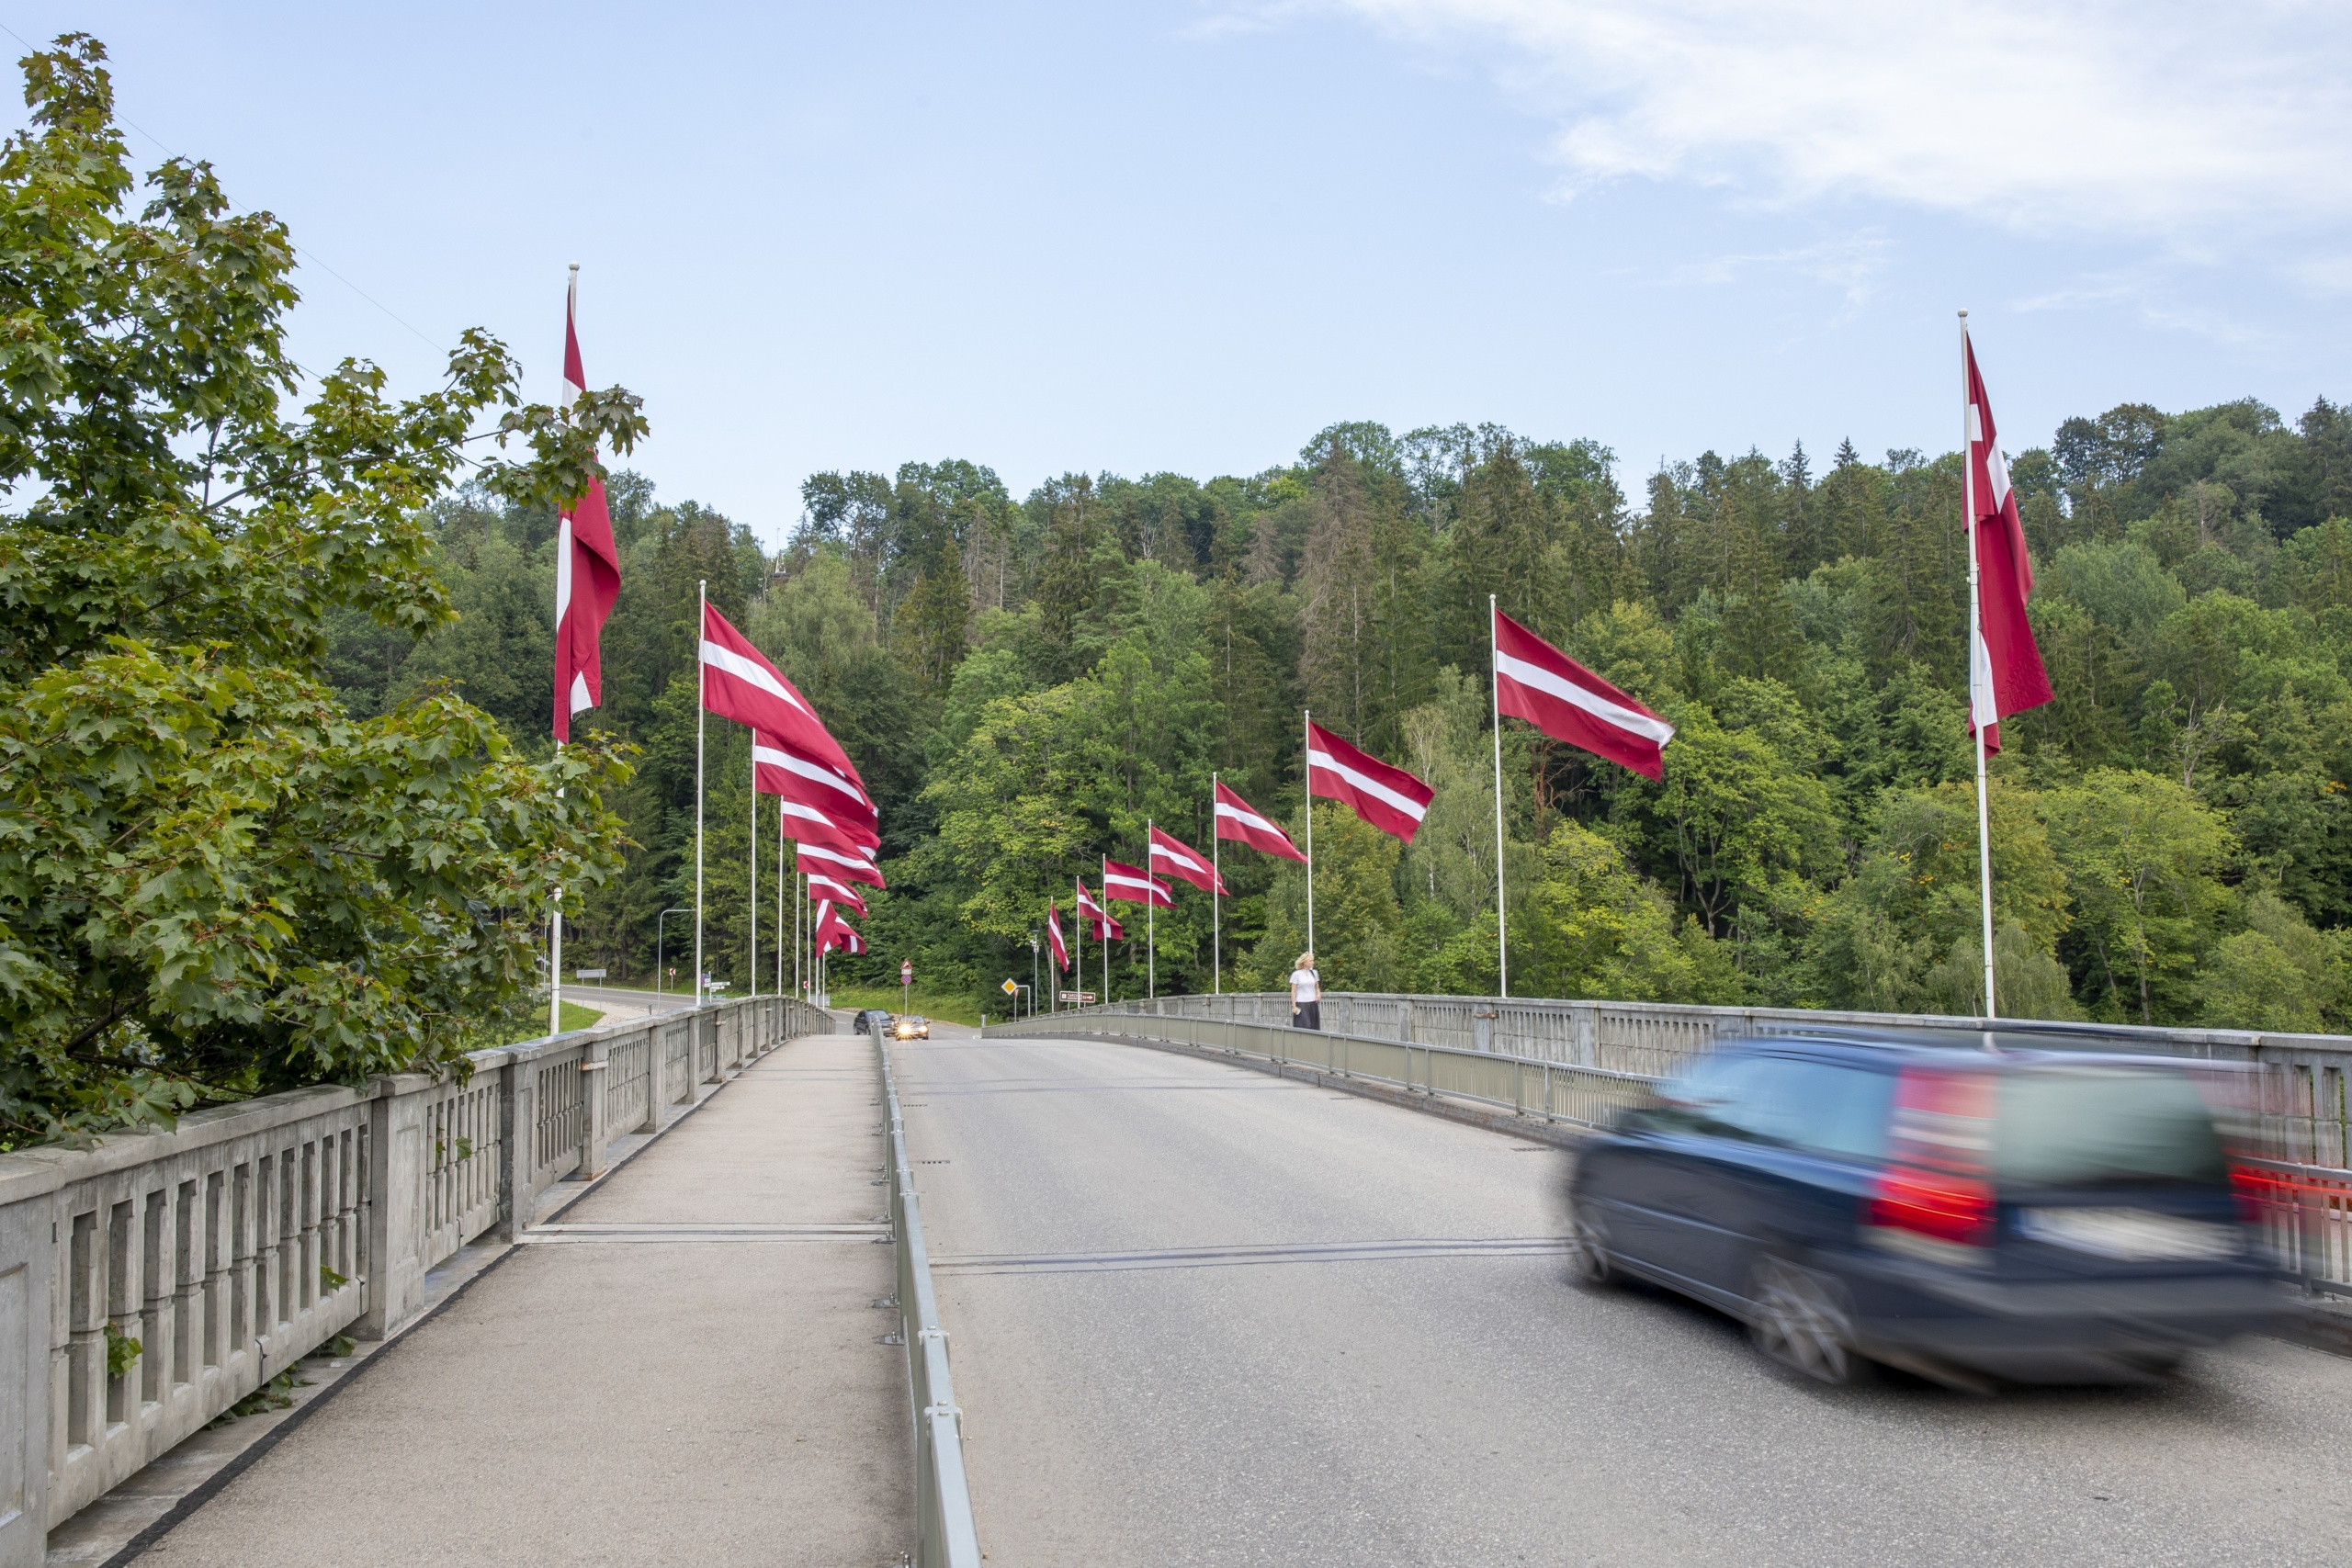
(1202, 1315)
(619, 1003)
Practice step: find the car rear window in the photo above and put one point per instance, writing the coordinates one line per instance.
(2091, 1126)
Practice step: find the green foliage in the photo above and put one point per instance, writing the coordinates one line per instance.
(122, 1351)
(214, 880)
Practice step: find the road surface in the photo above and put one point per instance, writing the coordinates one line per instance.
(1203, 1315)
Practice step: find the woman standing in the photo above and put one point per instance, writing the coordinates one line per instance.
(1306, 994)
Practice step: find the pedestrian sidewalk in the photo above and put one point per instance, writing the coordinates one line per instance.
(685, 1366)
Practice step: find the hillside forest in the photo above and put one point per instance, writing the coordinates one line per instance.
(1024, 681)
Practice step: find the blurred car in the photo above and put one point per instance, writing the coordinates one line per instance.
(872, 1020)
(1989, 1210)
(910, 1026)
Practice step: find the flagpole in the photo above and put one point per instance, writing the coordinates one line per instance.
(1150, 922)
(1979, 661)
(755, 900)
(1081, 944)
(702, 713)
(779, 891)
(1309, 732)
(1106, 929)
(1495, 669)
(1216, 896)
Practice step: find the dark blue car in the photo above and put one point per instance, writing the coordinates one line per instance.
(1968, 1208)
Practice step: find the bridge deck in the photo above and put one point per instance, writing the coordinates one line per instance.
(685, 1368)
(1203, 1315)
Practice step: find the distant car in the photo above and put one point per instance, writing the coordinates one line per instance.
(2019, 1214)
(913, 1028)
(872, 1020)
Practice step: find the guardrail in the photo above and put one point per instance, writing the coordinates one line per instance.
(152, 1281)
(1575, 1061)
(945, 1536)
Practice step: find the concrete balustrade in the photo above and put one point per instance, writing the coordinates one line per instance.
(250, 1235)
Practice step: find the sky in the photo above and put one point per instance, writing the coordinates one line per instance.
(1187, 234)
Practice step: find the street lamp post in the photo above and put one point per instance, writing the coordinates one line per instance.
(1033, 973)
(657, 943)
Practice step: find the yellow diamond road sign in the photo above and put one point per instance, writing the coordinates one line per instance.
(1010, 988)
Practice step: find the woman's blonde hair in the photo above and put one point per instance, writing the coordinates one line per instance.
(1304, 961)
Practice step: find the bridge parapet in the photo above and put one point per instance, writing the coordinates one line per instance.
(1575, 1061)
(152, 1281)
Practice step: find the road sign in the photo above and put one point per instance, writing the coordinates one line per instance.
(587, 973)
(1010, 988)
(907, 972)
(1078, 999)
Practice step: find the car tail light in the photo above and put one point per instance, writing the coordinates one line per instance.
(1935, 1196)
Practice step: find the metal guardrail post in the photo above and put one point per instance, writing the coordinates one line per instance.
(945, 1534)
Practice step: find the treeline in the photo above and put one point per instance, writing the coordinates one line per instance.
(1025, 682)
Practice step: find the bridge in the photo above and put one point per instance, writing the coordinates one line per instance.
(1146, 1283)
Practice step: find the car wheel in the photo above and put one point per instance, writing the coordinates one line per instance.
(1589, 1260)
(1800, 1321)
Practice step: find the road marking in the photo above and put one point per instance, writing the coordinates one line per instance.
(581, 1234)
(1230, 1256)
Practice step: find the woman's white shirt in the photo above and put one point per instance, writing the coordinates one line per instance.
(1305, 986)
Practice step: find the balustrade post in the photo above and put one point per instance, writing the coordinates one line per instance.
(33, 1342)
(397, 1163)
(595, 1067)
(514, 1123)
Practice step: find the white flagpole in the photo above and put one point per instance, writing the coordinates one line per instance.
(1495, 664)
(702, 695)
(1216, 913)
(1980, 663)
(1106, 928)
(1081, 945)
(1309, 732)
(755, 902)
(1150, 921)
(799, 975)
(779, 898)
(564, 565)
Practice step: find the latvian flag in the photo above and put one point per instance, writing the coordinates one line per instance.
(833, 932)
(821, 887)
(806, 824)
(1387, 799)
(1054, 935)
(778, 770)
(843, 865)
(587, 567)
(1239, 820)
(1132, 885)
(1105, 928)
(1172, 856)
(1536, 681)
(2005, 669)
(739, 682)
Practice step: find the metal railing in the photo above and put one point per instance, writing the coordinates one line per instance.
(1576, 1062)
(945, 1536)
(152, 1281)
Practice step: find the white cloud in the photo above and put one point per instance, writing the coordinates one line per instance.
(1851, 264)
(2151, 120)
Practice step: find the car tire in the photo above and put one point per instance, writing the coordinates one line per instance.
(1800, 1319)
(1590, 1263)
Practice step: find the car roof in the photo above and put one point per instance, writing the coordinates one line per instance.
(1895, 1047)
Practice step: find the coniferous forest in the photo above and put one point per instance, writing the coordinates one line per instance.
(1024, 681)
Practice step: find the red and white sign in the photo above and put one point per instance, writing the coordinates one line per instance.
(1536, 681)
(906, 971)
(1387, 799)
(587, 567)
(1238, 820)
(847, 865)
(1179, 859)
(2005, 669)
(739, 682)
(1132, 885)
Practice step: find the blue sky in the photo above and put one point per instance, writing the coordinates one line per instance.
(1186, 236)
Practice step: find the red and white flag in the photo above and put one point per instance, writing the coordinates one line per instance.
(1178, 859)
(776, 769)
(833, 932)
(1105, 928)
(1536, 681)
(739, 682)
(1387, 799)
(1239, 820)
(806, 825)
(1132, 885)
(843, 865)
(821, 887)
(587, 567)
(1054, 935)
(2005, 671)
